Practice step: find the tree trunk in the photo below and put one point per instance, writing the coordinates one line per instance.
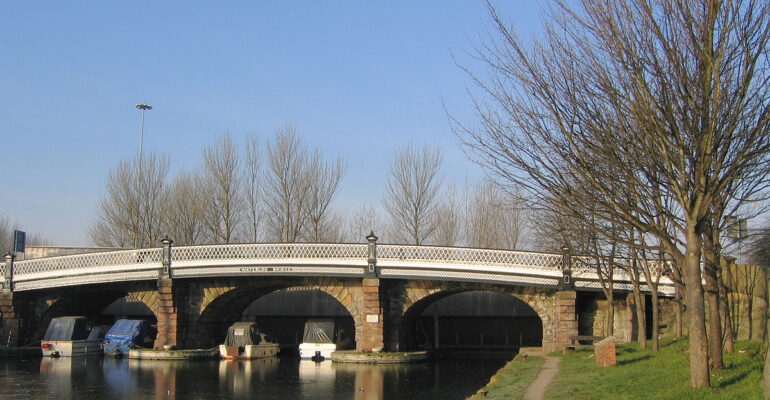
(711, 266)
(641, 325)
(766, 371)
(724, 315)
(610, 328)
(679, 329)
(714, 329)
(696, 313)
(655, 321)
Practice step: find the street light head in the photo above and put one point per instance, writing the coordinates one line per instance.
(144, 106)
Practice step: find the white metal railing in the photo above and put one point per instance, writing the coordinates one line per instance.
(469, 256)
(84, 262)
(269, 251)
(393, 261)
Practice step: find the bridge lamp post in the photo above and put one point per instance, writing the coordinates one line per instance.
(371, 269)
(165, 272)
(6, 281)
(566, 268)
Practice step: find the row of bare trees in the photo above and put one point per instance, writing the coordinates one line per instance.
(284, 192)
(231, 197)
(646, 121)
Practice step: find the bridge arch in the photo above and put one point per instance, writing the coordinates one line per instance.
(90, 302)
(420, 295)
(224, 301)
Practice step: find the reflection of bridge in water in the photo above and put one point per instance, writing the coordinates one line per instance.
(274, 378)
(195, 292)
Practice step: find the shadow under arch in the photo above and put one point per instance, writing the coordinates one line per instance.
(230, 307)
(88, 302)
(494, 320)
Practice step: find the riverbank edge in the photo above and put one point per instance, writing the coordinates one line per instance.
(513, 379)
(361, 357)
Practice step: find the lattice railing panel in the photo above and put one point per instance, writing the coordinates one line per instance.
(73, 264)
(269, 251)
(458, 255)
(452, 263)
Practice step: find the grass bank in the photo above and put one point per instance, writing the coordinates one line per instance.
(639, 374)
(511, 381)
(662, 375)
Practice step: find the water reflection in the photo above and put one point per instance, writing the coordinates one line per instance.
(238, 377)
(67, 376)
(272, 378)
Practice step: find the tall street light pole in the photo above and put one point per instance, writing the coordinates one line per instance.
(144, 107)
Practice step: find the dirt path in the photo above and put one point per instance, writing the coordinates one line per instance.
(537, 389)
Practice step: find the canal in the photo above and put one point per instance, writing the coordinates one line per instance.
(276, 378)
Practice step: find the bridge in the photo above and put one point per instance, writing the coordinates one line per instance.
(195, 292)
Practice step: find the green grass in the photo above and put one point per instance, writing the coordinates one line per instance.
(511, 381)
(663, 375)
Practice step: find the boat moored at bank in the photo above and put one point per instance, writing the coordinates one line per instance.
(125, 334)
(244, 341)
(71, 337)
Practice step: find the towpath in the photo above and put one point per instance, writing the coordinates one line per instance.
(537, 389)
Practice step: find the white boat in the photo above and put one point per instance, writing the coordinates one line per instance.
(318, 340)
(70, 337)
(244, 341)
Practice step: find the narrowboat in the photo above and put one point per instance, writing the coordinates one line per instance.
(125, 334)
(71, 337)
(244, 341)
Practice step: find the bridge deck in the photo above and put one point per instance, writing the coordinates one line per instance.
(303, 259)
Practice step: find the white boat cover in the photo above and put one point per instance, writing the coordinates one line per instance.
(319, 331)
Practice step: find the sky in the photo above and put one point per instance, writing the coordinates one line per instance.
(359, 79)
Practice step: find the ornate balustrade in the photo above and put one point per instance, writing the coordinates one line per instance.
(303, 259)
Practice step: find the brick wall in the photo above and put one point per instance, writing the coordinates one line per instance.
(605, 352)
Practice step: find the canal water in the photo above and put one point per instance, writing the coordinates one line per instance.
(276, 378)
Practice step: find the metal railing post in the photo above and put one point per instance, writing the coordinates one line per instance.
(7, 284)
(165, 270)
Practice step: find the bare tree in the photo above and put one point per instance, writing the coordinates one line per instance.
(183, 213)
(219, 188)
(129, 213)
(300, 187)
(252, 179)
(557, 227)
(634, 94)
(494, 218)
(411, 194)
(362, 222)
(448, 216)
(152, 198)
(324, 180)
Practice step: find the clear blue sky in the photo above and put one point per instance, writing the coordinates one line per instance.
(357, 78)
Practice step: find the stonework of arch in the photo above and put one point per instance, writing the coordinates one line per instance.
(414, 296)
(214, 304)
(88, 301)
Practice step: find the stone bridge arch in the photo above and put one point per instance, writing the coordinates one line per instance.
(214, 305)
(407, 301)
(88, 301)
